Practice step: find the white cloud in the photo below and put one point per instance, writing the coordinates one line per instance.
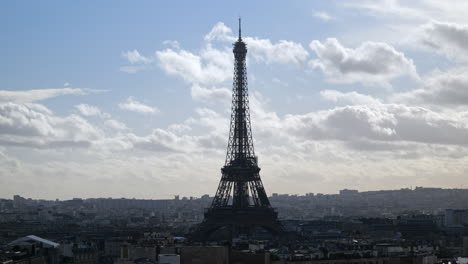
(34, 125)
(364, 143)
(368, 122)
(212, 121)
(131, 104)
(210, 95)
(179, 128)
(323, 16)
(172, 43)
(214, 66)
(161, 171)
(448, 88)
(137, 62)
(67, 179)
(446, 38)
(175, 139)
(211, 66)
(413, 11)
(41, 94)
(372, 137)
(164, 141)
(399, 22)
(90, 110)
(287, 52)
(372, 63)
(135, 57)
(220, 32)
(384, 122)
(386, 8)
(9, 164)
(115, 125)
(354, 98)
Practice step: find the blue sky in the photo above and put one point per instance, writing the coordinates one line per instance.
(52, 43)
(131, 99)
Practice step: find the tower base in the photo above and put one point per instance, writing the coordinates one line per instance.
(239, 221)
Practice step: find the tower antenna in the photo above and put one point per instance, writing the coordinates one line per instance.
(240, 35)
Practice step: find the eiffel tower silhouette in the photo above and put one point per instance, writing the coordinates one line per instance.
(248, 207)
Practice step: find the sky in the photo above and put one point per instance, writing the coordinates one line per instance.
(132, 98)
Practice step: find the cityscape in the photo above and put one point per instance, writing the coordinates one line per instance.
(407, 225)
(131, 170)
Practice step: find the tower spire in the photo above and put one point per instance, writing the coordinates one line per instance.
(240, 35)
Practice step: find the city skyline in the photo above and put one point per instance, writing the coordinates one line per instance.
(116, 100)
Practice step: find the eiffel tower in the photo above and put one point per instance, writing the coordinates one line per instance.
(248, 207)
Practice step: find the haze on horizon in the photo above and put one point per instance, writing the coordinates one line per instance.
(125, 99)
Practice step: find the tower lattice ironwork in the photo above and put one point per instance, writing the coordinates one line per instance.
(240, 203)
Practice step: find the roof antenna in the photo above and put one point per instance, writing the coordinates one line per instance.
(240, 38)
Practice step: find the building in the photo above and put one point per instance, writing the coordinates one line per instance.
(204, 255)
(169, 259)
(33, 249)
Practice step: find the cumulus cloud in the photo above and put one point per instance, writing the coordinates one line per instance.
(41, 94)
(115, 125)
(163, 140)
(211, 121)
(360, 136)
(220, 32)
(212, 94)
(384, 122)
(131, 104)
(449, 88)
(447, 38)
(287, 52)
(372, 63)
(161, 171)
(174, 140)
(399, 131)
(288, 145)
(33, 125)
(354, 98)
(211, 66)
(90, 110)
